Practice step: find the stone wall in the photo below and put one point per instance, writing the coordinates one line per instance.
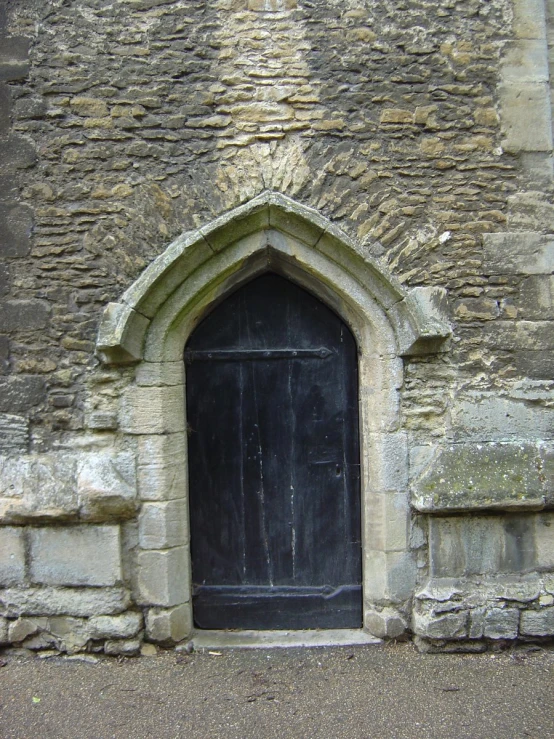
(423, 132)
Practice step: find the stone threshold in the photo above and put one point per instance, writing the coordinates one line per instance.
(283, 639)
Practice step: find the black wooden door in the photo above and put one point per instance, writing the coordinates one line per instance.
(274, 463)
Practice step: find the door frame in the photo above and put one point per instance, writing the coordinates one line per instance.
(152, 324)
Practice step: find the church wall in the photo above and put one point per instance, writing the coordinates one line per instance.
(424, 133)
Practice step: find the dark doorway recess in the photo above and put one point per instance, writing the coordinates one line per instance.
(274, 474)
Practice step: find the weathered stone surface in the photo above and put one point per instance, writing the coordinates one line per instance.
(106, 486)
(538, 623)
(523, 253)
(48, 601)
(123, 647)
(124, 626)
(80, 555)
(16, 223)
(92, 487)
(169, 625)
(525, 117)
(386, 624)
(248, 98)
(163, 525)
(153, 410)
(71, 634)
(485, 416)
(162, 472)
(4, 639)
(17, 152)
(18, 394)
(482, 476)
(37, 486)
(21, 628)
(12, 556)
(544, 540)
(481, 545)
(14, 433)
(537, 298)
(501, 623)
(441, 626)
(163, 577)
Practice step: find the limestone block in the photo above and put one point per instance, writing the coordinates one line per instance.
(24, 627)
(79, 555)
(104, 420)
(123, 647)
(163, 577)
(12, 556)
(529, 19)
(526, 252)
(472, 476)
(389, 577)
(387, 518)
(501, 623)
(388, 470)
(525, 117)
(121, 334)
(123, 626)
(536, 298)
(487, 416)
(385, 624)
(442, 626)
(477, 622)
(460, 547)
(163, 525)
(107, 486)
(37, 486)
(162, 467)
(48, 601)
(160, 373)
(525, 61)
(272, 5)
(169, 625)
(538, 623)
(420, 322)
(153, 410)
(72, 634)
(43, 640)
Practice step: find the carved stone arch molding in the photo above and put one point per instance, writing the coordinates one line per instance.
(150, 326)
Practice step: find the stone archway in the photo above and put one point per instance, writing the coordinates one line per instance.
(150, 326)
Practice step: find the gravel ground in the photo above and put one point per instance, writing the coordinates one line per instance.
(351, 693)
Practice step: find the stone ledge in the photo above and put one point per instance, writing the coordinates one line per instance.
(495, 476)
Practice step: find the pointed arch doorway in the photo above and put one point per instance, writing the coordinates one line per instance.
(153, 321)
(274, 469)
